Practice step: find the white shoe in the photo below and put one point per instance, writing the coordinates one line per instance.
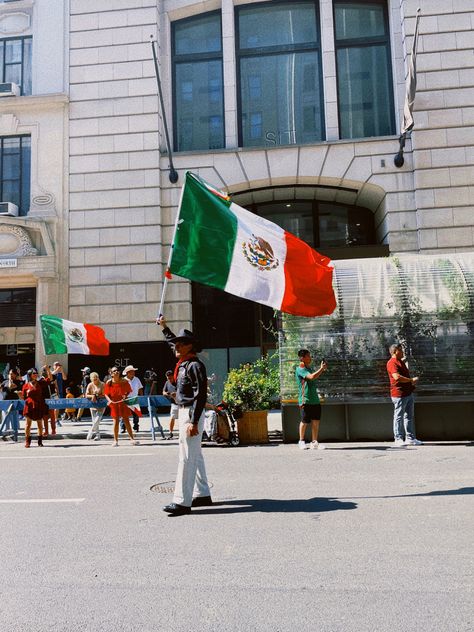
(413, 442)
(399, 443)
(302, 445)
(89, 437)
(134, 442)
(115, 444)
(97, 438)
(317, 446)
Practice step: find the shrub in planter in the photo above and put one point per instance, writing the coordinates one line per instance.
(253, 386)
(251, 390)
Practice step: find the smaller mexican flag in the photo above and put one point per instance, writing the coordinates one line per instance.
(132, 403)
(64, 336)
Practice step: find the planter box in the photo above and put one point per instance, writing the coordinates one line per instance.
(253, 427)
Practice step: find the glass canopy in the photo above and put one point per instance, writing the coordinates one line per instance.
(425, 302)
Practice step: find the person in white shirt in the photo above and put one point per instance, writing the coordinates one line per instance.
(137, 389)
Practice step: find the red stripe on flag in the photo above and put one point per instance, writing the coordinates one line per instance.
(96, 340)
(308, 281)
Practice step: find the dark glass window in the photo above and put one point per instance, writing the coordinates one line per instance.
(322, 225)
(364, 74)
(279, 68)
(18, 307)
(15, 160)
(15, 62)
(198, 83)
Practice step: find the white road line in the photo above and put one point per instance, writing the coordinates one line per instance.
(23, 501)
(77, 456)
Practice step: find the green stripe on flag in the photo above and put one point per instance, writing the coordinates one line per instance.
(205, 238)
(54, 340)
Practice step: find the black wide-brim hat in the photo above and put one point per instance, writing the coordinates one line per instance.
(186, 336)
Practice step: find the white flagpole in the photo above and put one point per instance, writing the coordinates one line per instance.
(170, 255)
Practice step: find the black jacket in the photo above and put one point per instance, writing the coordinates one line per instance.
(191, 385)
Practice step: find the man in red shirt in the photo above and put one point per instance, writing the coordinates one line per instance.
(401, 392)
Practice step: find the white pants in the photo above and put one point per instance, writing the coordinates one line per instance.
(191, 469)
(96, 414)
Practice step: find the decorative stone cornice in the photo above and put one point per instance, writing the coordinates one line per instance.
(15, 242)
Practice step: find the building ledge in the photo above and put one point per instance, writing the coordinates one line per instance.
(57, 100)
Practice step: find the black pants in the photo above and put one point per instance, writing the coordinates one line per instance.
(135, 423)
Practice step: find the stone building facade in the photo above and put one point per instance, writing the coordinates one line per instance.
(285, 105)
(34, 265)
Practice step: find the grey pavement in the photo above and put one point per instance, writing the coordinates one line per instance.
(358, 537)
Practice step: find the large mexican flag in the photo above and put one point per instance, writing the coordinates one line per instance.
(64, 336)
(219, 243)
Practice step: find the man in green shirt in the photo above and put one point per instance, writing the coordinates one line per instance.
(308, 398)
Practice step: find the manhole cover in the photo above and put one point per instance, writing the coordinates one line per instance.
(167, 487)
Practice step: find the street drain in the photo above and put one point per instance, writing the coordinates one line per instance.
(167, 487)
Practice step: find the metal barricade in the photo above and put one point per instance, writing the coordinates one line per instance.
(10, 410)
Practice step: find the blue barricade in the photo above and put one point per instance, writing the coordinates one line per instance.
(12, 408)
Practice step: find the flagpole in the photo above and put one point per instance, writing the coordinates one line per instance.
(173, 174)
(41, 333)
(407, 123)
(170, 255)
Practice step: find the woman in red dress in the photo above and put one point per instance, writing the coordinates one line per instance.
(115, 391)
(35, 407)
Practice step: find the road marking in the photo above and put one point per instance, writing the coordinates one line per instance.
(22, 501)
(77, 456)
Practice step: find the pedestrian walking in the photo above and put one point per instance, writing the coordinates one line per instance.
(308, 398)
(137, 389)
(94, 392)
(115, 391)
(191, 488)
(60, 378)
(86, 380)
(169, 391)
(35, 407)
(11, 390)
(401, 393)
(49, 390)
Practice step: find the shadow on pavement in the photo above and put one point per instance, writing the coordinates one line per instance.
(461, 491)
(267, 505)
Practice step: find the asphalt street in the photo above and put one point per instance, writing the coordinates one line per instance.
(358, 537)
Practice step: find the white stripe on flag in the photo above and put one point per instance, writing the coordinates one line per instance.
(267, 284)
(72, 345)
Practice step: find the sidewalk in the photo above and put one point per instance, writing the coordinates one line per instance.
(78, 429)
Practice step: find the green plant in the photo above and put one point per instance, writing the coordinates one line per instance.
(253, 386)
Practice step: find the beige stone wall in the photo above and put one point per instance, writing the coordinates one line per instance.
(443, 138)
(115, 223)
(122, 205)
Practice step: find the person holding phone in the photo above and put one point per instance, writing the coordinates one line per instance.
(308, 398)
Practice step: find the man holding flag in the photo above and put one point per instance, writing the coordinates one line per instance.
(191, 395)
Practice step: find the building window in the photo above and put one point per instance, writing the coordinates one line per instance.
(15, 158)
(15, 62)
(198, 85)
(322, 224)
(364, 75)
(18, 307)
(279, 73)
